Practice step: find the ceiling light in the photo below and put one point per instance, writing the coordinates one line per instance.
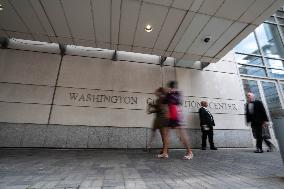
(1, 7)
(148, 28)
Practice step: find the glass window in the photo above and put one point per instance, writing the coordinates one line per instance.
(248, 45)
(280, 20)
(271, 95)
(274, 63)
(186, 63)
(269, 40)
(278, 74)
(280, 13)
(271, 19)
(248, 59)
(251, 86)
(282, 87)
(282, 29)
(251, 70)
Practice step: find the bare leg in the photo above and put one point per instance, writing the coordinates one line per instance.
(165, 140)
(153, 133)
(181, 132)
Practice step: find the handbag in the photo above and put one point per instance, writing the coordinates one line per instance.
(265, 132)
(173, 111)
(151, 108)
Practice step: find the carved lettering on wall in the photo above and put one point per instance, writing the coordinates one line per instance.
(188, 102)
(81, 97)
(211, 104)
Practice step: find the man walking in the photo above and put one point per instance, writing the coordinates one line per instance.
(206, 124)
(256, 115)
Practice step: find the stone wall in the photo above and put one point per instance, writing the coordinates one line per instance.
(81, 102)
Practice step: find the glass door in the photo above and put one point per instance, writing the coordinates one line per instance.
(251, 86)
(266, 91)
(271, 95)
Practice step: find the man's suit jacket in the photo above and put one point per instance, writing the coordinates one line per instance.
(259, 115)
(205, 118)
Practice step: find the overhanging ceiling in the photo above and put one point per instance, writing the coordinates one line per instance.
(179, 26)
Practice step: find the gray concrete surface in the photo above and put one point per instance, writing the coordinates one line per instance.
(69, 136)
(127, 169)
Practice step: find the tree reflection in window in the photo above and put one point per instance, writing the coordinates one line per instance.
(271, 95)
(251, 86)
(269, 40)
(251, 70)
(248, 59)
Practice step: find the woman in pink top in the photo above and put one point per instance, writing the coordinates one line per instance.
(174, 100)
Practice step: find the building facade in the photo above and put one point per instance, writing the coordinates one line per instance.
(89, 98)
(260, 61)
(86, 99)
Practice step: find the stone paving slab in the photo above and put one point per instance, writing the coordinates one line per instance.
(128, 169)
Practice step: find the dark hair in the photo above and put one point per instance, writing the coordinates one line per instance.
(160, 90)
(203, 103)
(172, 84)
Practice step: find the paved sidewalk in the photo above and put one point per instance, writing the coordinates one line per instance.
(86, 169)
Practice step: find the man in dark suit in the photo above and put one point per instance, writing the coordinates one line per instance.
(206, 124)
(256, 115)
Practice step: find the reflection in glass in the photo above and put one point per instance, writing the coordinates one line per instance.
(248, 45)
(282, 29)
(282, 87)
(280, 13)
(273, 63)
(271, 95)
(251, 86)
(250, 70)
(269, 40)
(280, 20)
(270, 19)
(278, 74)
(248, 59)
(186, 63)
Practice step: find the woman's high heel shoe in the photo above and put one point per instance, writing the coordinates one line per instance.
(163, 156)
(188, 157)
